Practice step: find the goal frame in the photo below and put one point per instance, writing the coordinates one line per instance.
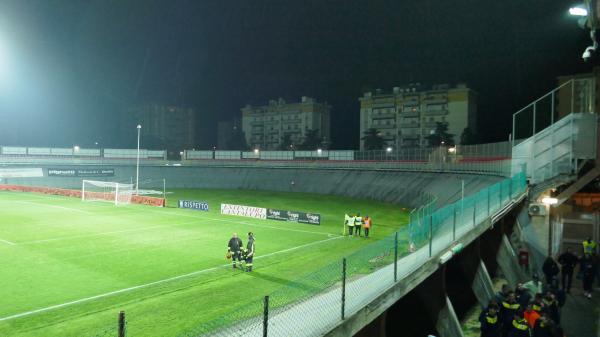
(113, 184)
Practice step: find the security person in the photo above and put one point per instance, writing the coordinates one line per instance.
(351, 222)
(490, 324)
(508, 310)
(347, 220)
(367, 225)
(249, 252)
(589, 246)
(358, 222)
(234, 247)
(519, 326)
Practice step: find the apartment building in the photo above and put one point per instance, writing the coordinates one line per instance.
(407, 115)
(265, 127)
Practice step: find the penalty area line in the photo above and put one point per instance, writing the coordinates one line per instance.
(120, 291)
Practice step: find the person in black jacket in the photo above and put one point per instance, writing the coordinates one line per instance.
(508, 309)
(250, 252)
(544, 327)
(490, 323)
(586, 268)
(519, 326)
(235, 247)
(550, 269)
(567, 261)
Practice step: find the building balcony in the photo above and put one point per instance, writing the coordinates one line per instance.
(409, 125)
(435, 112)
(384, 126)
(409, 113)
(291, 121)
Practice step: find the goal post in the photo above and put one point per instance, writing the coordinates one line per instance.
(118, 193)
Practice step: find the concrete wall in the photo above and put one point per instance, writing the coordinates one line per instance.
(391, 186)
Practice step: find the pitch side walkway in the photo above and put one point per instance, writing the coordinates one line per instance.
(580, 316)
(321, 313)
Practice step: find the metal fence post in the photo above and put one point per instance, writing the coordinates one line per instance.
(396, 257)
(500, 196)
(488, 202)
(121, 323)
(454, 222)
(474, 213)
(430, 234)
(343, 288)
(266, 317)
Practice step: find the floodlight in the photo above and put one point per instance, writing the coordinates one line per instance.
(76, 148)
(388, 149)
(578, 11)
(452, 149)
(549, 201)
(256, 151)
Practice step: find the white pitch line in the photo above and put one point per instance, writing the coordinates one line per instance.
(103, 233)
(8, 242)
(120, 291)
(55, 206)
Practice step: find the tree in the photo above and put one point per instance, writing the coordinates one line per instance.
(312, 141)
(237, 141)
(373, 139)
(439, 135)
(286, 142)
(468, 137)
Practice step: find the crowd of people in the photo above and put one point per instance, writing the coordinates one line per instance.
(355, 224)
(533, 309)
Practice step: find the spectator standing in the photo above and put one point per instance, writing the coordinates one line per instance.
(534, 286)
(586, 268)
(567, 261)
(550, 269)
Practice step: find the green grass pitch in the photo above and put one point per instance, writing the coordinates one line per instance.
(67, 267)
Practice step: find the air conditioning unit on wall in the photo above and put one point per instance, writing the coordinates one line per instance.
(537, 209)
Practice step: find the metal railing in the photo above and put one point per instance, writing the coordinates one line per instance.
(575, 95)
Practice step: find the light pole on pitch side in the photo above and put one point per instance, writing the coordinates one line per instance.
(137, 165)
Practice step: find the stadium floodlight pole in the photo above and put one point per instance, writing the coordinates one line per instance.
(137, 165)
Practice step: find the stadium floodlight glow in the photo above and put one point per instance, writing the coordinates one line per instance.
(76, 148)
(578, 11)
(319, 151)
(549, 201)
(255, 151)
(452, 149)
(137, 164)
(388, 149)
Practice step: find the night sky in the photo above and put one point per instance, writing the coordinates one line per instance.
(68, 69)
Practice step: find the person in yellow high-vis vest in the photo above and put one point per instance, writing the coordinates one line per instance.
(589, 246)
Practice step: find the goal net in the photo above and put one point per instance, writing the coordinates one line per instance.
(117, 193)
